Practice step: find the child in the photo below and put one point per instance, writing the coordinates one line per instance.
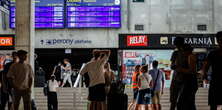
(145, 82)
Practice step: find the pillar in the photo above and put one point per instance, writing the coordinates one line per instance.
(24, 30)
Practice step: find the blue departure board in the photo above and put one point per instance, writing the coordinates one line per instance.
(48, 14)
(93, 13)
(5, 4)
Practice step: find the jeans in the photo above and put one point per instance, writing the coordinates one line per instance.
(68, 78)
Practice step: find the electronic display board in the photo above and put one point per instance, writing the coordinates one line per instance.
(48, 14)
(4, 4)
(93, 14)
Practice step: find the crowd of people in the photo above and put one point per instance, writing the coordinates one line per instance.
(148, 84)
(16, 82)
(147, 87)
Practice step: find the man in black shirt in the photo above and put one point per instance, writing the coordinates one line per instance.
(214, 59)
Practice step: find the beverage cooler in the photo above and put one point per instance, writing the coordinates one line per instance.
(143, 49)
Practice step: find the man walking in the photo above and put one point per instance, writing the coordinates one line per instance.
(214, 59)
(21, 78)
(158, 84)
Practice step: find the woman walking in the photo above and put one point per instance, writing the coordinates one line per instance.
(144, 99)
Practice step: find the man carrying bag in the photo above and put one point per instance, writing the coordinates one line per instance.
(158, 86)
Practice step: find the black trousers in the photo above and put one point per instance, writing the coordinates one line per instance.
(4, 100)
(186, 99)
(52, 101)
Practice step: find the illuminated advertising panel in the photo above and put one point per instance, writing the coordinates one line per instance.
(7, 42)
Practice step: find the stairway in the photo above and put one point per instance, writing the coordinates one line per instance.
(66, 98)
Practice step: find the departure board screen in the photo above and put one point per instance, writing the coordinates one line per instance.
(48, 14)
(93, 13)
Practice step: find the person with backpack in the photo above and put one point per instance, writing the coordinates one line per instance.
(158, 85)
(135, 87)
(144, 99)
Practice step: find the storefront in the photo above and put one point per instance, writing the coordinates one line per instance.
(142, 49)
(7, 45)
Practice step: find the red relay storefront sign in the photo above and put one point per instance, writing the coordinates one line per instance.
(137, 40)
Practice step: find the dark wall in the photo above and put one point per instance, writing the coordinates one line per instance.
(48, 58)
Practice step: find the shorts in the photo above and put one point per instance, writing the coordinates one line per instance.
(135, 93)
(156, 97)
(144, 97)
(97, 93)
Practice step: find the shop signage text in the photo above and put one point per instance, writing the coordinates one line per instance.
(137, 40)
(130, 54)
(64, 42)
(198, 40)
(166, 40)
(6, 41)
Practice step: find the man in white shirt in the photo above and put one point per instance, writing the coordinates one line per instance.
(95, 70)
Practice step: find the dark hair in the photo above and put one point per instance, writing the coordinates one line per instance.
(218, 35)
(21, 52)
(14, 54)
(52, 77)
(144, 68)
(178, 41)
(187, 47)
(155, 63)
(137, 68)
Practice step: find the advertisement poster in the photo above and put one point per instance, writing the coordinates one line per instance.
(131, 58)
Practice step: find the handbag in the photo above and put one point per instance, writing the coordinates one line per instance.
(154, 87)
(46, 89)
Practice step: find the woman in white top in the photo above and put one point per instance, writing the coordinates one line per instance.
(145, 82)
(52, 94)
